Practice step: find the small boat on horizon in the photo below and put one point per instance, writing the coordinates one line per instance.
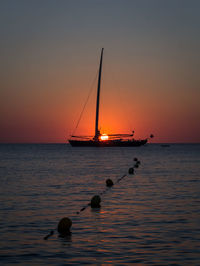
(104, 140)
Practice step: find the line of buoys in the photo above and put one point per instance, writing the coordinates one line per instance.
(137, 162)
(65, 223)
(109, 183)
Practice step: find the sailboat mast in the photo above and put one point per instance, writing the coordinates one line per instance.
(98, 96)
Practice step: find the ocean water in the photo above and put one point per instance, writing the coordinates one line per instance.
(149, 218)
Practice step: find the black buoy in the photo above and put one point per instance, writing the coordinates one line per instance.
(135, 159)
(95, 201)
(64, 226)
(138, 162)
(131, 171)
(109, 182)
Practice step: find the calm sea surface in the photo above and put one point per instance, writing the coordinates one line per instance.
(151, 217)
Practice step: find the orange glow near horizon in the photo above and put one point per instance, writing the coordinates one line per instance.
(49, 76)
(104, 137)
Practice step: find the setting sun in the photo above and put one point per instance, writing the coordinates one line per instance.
(104, 137)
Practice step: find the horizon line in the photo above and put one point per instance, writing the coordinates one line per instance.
(69, 143)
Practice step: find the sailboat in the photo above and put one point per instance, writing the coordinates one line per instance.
(103, 140)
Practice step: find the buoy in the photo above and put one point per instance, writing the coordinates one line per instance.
(135, 159)
(95, 201)
(64, 226)
(138, 162)
(109, 183)
(131, 171)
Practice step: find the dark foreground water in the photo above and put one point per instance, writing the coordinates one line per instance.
(152, 217)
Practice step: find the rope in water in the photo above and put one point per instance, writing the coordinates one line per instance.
(101, 193)
(66, 223)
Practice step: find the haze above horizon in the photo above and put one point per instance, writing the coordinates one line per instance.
(50, 55)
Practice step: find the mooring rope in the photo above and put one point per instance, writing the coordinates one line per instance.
(65, 223)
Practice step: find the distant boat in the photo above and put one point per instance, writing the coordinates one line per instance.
(104, 140)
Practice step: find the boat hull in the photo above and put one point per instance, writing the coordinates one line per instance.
(109, 143)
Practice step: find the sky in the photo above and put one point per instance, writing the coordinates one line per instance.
(49, 59)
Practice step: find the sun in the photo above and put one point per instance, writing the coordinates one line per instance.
(104, 137)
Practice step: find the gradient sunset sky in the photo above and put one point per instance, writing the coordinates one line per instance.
(49, 58)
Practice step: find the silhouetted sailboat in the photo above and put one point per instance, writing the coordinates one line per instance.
(103, 140)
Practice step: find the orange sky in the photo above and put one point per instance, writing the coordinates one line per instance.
(50, 58)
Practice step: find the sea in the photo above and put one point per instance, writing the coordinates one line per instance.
(151, 217)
